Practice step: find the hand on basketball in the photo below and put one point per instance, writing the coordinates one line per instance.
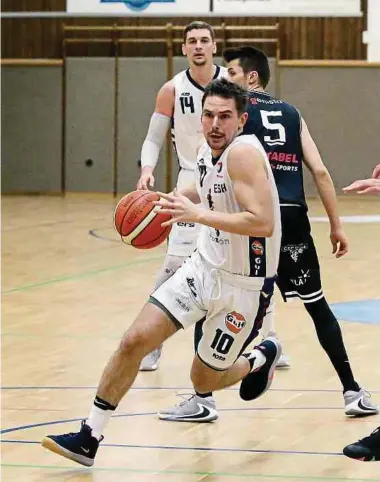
(179, 207)
(365, 186)
(339, 242)
(146, 179)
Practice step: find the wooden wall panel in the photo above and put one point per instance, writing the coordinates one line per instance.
(301, 38)
(33, 5)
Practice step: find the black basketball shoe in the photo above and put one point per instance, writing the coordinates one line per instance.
(80, 447)
(256, 383)
(367, 449)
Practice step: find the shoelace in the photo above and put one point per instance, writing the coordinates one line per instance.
(186, 398)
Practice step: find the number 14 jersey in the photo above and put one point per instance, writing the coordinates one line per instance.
(186, 122)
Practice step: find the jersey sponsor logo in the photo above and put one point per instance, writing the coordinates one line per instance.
(282, 167)
(220, 188)
(301, 279)
(137, 5)
(294, 250)
(186, 225)
(217, 239)
(219, 167)
(235, 322)
(282, 157)
(257, 247)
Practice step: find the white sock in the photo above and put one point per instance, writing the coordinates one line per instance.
(268, 328)
(98, 420)
(256, 359)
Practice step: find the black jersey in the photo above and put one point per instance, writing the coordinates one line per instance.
(277, 125)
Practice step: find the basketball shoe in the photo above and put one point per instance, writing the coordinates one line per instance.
(358, 404)
(366, 449)
(80, 447)
(256, 383)
(191, 409)
(151, 361)
(283, 361)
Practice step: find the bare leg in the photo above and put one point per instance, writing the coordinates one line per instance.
(151, 328)
(205, 379)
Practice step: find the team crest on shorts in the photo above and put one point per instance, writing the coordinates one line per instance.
(295, 250)
(235, 322)
(257, 247)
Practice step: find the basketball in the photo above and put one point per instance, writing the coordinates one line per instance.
(137, 221)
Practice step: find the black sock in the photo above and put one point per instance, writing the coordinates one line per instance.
(198, 333)
(330, 338)
(103, 404)
(203, 395)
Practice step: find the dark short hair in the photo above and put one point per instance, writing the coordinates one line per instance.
(228, 90)
(198, 25)
(250, 59)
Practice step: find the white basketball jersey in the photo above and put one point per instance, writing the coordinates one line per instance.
(186, 121)
(242, 255)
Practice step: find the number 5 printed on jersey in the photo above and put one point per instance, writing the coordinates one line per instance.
(278, 134)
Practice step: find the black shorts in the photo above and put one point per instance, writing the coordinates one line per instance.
(298, 270)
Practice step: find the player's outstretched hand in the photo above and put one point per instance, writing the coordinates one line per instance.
(146, 179)
(364, 186)
(179, 206)
(339, 242)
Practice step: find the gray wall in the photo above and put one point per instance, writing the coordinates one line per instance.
(31, 122)
(340, 105)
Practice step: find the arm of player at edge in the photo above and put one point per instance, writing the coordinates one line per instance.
(251, 186)
(326, 190)
(155, 138)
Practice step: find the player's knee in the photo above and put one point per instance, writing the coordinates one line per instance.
(132, 344)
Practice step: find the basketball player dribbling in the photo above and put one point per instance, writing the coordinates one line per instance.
(226, 280)
(289, 146)
(178, 103)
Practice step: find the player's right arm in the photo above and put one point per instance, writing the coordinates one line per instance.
(326, 190)
(155, 138)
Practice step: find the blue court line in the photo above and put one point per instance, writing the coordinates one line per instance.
(198, 449)
(190, 389)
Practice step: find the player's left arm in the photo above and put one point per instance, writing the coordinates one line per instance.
(251, 186)
(326, 190)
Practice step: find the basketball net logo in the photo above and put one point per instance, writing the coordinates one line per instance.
(235, 322)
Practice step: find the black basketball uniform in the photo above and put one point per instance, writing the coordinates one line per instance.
(278, 126)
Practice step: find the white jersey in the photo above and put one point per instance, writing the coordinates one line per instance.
(237, 254)
(186, 121)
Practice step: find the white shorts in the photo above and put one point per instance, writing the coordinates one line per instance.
(233, 307)
(183, 236)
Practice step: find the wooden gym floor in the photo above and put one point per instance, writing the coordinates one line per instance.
(70, 288)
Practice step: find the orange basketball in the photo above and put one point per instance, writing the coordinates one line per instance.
(136, 221)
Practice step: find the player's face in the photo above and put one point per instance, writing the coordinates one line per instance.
(199, 47)
(221, 122)
(237, 75)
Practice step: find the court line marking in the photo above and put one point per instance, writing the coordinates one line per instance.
(85, 274)
(197, 449)
(298, 390)
(184, 472)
